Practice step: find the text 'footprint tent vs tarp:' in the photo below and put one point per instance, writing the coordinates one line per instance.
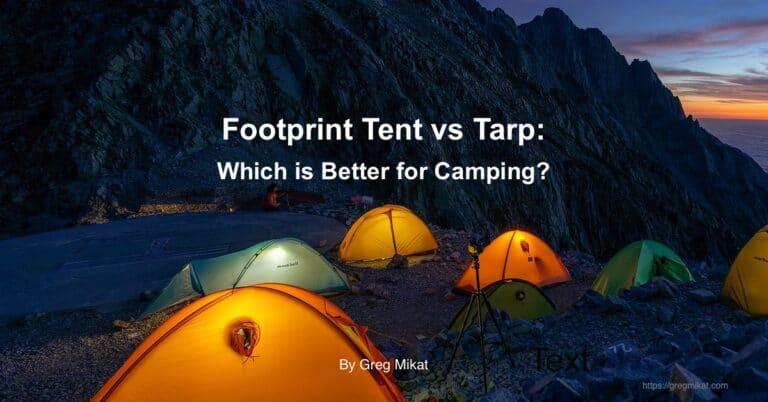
(289, 261)
(637, 264)
(747, 281)
(384, 232)
(259, 343)
(519, 299)
(516, 255)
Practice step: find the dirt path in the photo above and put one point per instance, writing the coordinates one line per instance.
(96, 265)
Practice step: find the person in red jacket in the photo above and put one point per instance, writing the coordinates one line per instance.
(271, 200)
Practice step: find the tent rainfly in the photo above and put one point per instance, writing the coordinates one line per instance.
(288, 260)
(747, 282)
(258, 343)
(515, 297)
(383, 233)
(637, 264)
(515, 255)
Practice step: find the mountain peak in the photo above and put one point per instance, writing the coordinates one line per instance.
(557, 16)
(129, 130)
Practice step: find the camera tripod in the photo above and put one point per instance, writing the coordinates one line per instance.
(480, 300)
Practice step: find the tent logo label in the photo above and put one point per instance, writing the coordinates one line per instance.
(289, 264)
(761, 259)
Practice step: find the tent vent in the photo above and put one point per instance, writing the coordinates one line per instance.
(520, 295)
(244, 337)
(526, 249)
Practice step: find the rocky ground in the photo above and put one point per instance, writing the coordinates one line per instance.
(649, 334)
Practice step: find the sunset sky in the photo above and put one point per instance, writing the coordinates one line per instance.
(713, 54)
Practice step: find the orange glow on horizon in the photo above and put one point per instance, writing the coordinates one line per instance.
(713, 108)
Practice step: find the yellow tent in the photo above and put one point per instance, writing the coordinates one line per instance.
(747, 281)
(516, 255)
(264, 342)
(384, 232)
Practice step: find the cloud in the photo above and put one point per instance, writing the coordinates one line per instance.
(683, 72)
(751, 86)
(728, 34)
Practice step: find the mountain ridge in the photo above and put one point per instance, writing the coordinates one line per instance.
(133, 111)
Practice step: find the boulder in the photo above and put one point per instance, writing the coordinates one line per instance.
(563, 390)
(664, 315)
(743, 317)
(754, 353)
(707, 337)
(709, 368)
(702, 296)
(590, 299)
(735, 337)
(614, 304)
(680, 345)
(398, 262)
(603, 385)
(498, 394)
(688, 387)
(664, 287)
(748, 380)
(120, 324)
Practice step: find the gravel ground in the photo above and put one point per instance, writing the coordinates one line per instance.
(68, 355)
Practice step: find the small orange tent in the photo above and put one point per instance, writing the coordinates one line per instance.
(516, 255)
(383, 232)
(265, 342)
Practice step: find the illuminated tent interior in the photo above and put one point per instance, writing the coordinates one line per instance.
(261, 343)
(517, 298)
(516, 255)
(384, 232)
(747, 282)
(637, 264)
(289, 261)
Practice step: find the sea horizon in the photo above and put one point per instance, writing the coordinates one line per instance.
(748, 135)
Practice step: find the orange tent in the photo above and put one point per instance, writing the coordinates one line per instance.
(265, 342)
(383, 232)
(516, 255)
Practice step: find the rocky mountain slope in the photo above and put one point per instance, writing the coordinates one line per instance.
(108, 105)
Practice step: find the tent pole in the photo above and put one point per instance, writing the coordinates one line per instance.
(392, 230)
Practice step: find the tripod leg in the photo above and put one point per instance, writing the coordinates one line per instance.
(482, 340)
(461, 335)
(498, 328)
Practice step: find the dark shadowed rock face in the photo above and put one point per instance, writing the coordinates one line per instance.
(106, 105)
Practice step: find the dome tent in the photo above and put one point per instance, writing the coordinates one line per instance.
(637, 264)
(515, 254)
(288, 260)
(517, 298)
(747, 282)
(384, 232)
(251, 343)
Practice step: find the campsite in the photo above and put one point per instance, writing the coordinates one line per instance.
(384, 200)
(412, 311)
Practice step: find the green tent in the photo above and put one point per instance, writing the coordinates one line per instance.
(288, 261)
(518, 298)
(637, 264)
